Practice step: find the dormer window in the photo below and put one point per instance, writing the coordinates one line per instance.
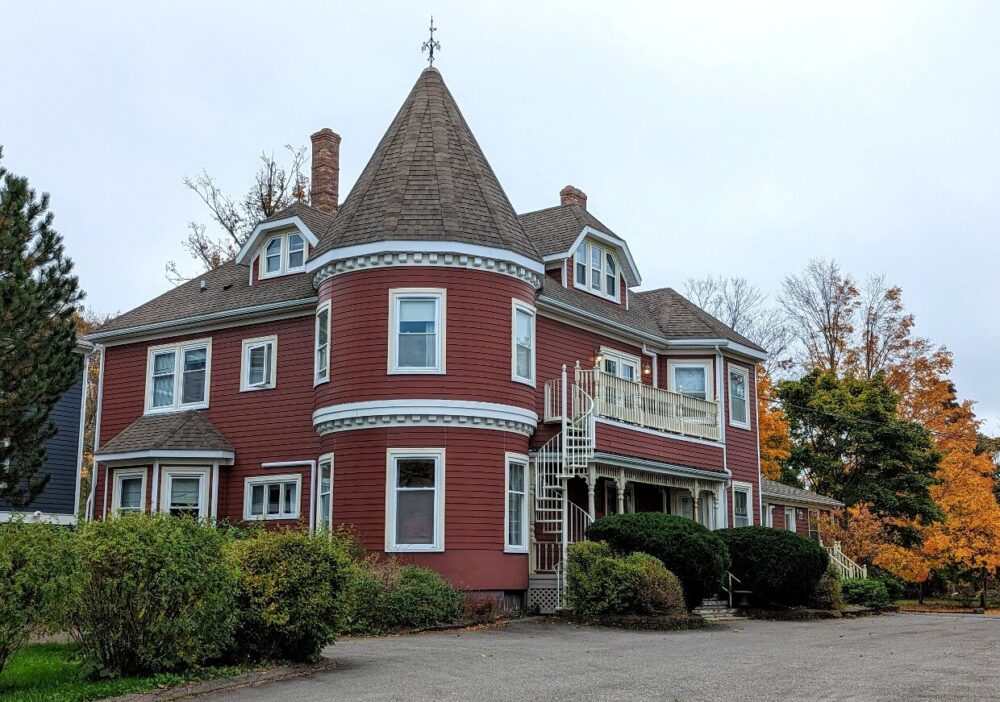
(283, 253)
(596, 270)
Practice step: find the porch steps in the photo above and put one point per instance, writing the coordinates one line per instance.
(713, 609)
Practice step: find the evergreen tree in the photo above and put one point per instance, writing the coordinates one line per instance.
(38, 294)
(848, 442)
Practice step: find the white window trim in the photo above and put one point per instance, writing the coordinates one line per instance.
(116, 502)
(520, 459)
(709, 377)
(743, 487)
(586, 246)
(391, 456)
(623, 359)
(519, 306)
(793, 512)
(245, 365)
(325, 458)
(317, 380)
(729, 386)
(440, 296)
(248, 484)
(283, 255)
(178, 350)
(185, 472)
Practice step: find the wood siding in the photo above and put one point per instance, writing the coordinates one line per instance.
(741, 444)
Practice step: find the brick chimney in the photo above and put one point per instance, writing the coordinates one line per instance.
(325, 186)
(573, 196)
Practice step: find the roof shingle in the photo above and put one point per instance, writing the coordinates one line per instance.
(779, 490)
(679, 318)
(181, 431)
(555, 229)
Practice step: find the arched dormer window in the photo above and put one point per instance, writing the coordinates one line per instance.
(283, 253)
(596, 270)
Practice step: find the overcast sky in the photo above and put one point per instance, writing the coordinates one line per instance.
(717, 138)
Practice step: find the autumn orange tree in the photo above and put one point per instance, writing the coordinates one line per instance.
(775, 443)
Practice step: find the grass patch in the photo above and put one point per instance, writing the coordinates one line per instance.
(51, 673)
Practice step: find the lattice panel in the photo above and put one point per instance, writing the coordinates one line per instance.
(545, 599)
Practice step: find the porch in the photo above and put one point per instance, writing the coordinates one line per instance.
(633, 402)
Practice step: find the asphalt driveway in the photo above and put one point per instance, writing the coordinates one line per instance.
(898, 657)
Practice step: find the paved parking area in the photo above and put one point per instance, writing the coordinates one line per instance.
(897, 657)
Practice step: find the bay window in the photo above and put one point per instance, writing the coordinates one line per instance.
(322, 353)
(416, 331)
(130, 491)
(185, 492)
(524, 343)
(739, 379)
(177, 376)
(516, 516)
(415, 500)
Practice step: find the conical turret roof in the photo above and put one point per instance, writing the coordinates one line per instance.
(428, 180)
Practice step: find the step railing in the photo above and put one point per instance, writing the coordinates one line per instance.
(844, 565)
(637, 403)
(730, 578)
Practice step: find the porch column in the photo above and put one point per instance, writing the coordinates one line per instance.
(620, 483)
(591, 486)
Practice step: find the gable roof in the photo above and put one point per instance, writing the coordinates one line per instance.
(772, 488)
(555, 229)
(158, 433)
(227, 289)
(310, 222)
(428, 180)
(316, 220)
(679, 318)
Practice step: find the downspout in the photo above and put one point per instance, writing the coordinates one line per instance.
(656, 370)
(755, 423)
(91, 506)
(312, 485)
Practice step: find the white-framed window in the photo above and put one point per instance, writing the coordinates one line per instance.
(523, 343)
(324, 505)
(706, 510)
(417, 330)
(130, 491)
(595, 270)
(178, 376)
(742, 504)
(790, 519)
(619, 364)
(415, 500)
(322, 353)
(272, 497)
(516, 514)
(739, 407)
(283, 253)
(260, 363)
(691, 378)
(184, 492)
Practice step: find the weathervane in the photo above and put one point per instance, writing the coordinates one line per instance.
(430, 45)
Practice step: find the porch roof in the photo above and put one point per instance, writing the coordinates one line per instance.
(654, 468)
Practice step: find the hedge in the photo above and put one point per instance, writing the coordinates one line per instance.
(385, 596)
(693, 553)
(778, 567)
(828, 593)
(598, 583)
(866, 592)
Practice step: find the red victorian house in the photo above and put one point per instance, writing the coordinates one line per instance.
(466, 386)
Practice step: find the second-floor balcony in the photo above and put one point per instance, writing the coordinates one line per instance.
(636, 403)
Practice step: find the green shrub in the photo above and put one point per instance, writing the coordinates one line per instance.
(38, 571)
(895, 586)
(866, 592)
(777, 566)
(829, 593)
(155, 595)
(693, 553)
(385, 596)
(600, 583)
(288, 588)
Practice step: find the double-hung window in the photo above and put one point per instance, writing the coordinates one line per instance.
(742, 505)
(322, 355)
(185, 492)
(283, 253)
(596, 270)
(524, 343)
(260, 359)
(324, 506)
(272, 497)
(415, 500)
(739, 411)
(130, 491)
(790, 519)
(177, 376)
(416, 331)
(516, 517)
(692, 378)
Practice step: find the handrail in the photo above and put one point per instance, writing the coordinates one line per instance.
(846, 566)
(729, 590)
(638, 403)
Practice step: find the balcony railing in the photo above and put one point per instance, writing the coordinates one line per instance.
(646, 406)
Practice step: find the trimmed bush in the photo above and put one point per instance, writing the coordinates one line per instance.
(384, 596)
(866, 592)
(599, 583)
(829, 592)
(155, 595)
(38, 567)
(693, 553)
(288, 588)
(777, 566)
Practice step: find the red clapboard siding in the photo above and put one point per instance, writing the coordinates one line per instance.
(478, 337)
(475, 500)
(658, 447)
(741, 444)
(263, 425)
